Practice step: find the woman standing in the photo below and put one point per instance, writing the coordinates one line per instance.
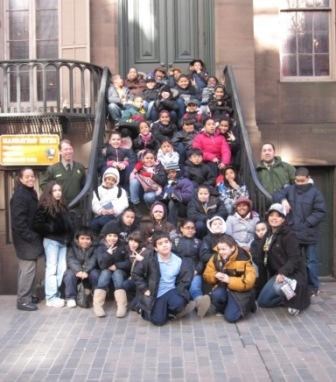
(27, 242)
(284, 264)
(52, 221)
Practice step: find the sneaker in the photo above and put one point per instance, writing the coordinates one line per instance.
(293, 312)
(315, 292)
(27, 306)
(55, 302)
(71, 303)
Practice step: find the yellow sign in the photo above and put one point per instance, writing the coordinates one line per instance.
(29, 150)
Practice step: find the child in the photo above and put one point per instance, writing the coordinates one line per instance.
(187, 245)
(192, 112)
(163, 128)
(150, 95)
(185, 90)
(256, 250)
(229, 189)
(224, 128)
(115, 266)
(145, 140)
(182, 139)
(165, 101)
(118, 96)
(82, 265)
(113, 155)
(109, 200)
(197, 171)
(207, 93)
(167, 156)
(204, 207)
(232, 275)
(220, 105)
(131, 117)
(241, 225)
(52, 222)
(198, 75)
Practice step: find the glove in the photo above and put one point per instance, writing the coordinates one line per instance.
(138, 166)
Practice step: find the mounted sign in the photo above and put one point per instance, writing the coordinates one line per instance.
(29, 150)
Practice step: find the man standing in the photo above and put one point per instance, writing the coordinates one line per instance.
(68, 173)
(273, 173)
(163, 280)
(306, 209)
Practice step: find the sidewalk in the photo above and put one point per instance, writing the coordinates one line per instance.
(72, 345)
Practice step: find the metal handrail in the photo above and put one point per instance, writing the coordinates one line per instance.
(65, 101)
(84, 197)
(260, 197)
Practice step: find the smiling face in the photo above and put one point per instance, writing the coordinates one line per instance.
(243, 209)
(224, 127)
(133, 245)
(164, 119)
(111, 239)
(109, 181)
(132, 74)
(267, 153)
(224, 250)
(27, 178)
(219, 93)
(144, 128)
(183, 82)
(66, 151)
(275, 220)
(115, 140)
(149, 160)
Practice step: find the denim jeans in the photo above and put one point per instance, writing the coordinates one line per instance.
(114, 111)
(196, 287)
(136, 191)
(55, 253)
(70, 282)
(310, 251)
(269, 296)
(98, 222)
(225, 303)
(106, 276)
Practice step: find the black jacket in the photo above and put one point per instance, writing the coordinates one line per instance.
(198, 174)
(118, 257)
(79, 260)
(256, 250)
(146, 275)
(119, 227)
(23, 205)
(198, 212)
(189, 248)
(207, 245)
(307, 211)
(139, 144)
(163, 132)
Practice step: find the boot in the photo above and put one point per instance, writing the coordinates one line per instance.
(187, 309)
(121, 300)
(99, 297)
(202, 305)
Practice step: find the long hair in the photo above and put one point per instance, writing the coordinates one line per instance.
(47, 201)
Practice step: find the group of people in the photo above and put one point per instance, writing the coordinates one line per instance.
(173, 228)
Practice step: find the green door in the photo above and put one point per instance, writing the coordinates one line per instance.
(166, 33)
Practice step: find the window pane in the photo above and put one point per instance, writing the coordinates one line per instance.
(322, 65)
(321, 42)
(46, 4)
(51, 85)
(18, 25)
(313, 3)
(288, 65)
(288, 32)
(18, 50)
(24, 85)
(18, 4)
(46, 25)
(47, 49)
(305, 43)
(305, 65)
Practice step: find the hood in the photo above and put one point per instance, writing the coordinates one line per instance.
(111, 171)
(209, 221)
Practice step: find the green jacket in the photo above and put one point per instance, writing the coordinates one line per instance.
(276, 176)
(71, 181)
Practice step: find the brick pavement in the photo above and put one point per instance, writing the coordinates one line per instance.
(72, 345)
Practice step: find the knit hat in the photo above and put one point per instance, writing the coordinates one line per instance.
(109, 228)
(111, 171)
(243, 200)
(210, 221)
(172, 166)
(193, 101)
(150, 79)
(277, 207)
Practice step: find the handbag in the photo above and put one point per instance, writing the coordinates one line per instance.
(147, 183)
(84, 297)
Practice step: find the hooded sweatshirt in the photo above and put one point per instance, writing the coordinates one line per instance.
(107, 198)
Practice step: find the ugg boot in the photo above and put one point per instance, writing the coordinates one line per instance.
(187, 309)
(121, 300)
(202, 305)
(99, 297)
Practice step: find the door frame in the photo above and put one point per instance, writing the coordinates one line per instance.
(206, 8)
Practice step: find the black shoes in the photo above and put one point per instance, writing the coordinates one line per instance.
(27, 306)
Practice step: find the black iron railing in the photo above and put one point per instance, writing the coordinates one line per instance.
(48, 86)
(259, 196)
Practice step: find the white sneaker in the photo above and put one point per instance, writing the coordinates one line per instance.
(293, 312)
(71, 303)
(55, 302)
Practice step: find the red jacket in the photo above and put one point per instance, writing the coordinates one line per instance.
(213, 146)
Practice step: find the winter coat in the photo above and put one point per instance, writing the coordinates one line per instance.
(58, 228)
(185, 138)
(307, 211)
(220, 108)
(199, 174)
(198, 211)
(115, 197)
(277, 176)
(141, 144)
(213, 146)
(130, 112)
(190, 248)
(185, 94)
(165, 104)
(146, 275)
(256, 251)
(118, 226)
(242, 276)
(168, 159)
(113, 96)
(127, 156)
(209, 241)
(163, 132)
(136, 86)
(79, 260)
(157, 172)
(150, 94)
(200, 81)
(182, 190)
(242, 229)
(228, 195)
(118, 257)
(284, 257)
(23, 206)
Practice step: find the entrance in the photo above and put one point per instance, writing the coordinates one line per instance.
(165, 34)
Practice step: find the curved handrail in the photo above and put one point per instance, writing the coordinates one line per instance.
(84, 197)
(260, 196)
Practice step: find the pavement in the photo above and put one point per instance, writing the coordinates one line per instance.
(62, 344)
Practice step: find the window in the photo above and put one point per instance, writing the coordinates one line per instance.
(305, 34)
(32, 33)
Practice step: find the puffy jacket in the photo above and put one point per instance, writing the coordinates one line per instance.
(118, 226)
(199, 174)
(118, 257)
(182, 190)
(242, 229)
(277, 176)
(136, 86)
(163, 132)
(141, 144)
(113, 96)
(190, 248)
(79, 260)
(307, 211)
(117, 155)
(213, 146)
(198, 211)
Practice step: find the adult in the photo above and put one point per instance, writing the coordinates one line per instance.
(27, 242)
(163, 280)
(305, 208)
(284, 263)
(118, 96)
(69, 174)
(135, 82)
(273, 173)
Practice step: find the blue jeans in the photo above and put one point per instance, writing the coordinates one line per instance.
(98, 222)
(114, 111)
(196, 287)
(269, 296)
(225, 303)
(55, 253)
(136, 191)
(310, 251)
(106, 276)
(70, 282)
